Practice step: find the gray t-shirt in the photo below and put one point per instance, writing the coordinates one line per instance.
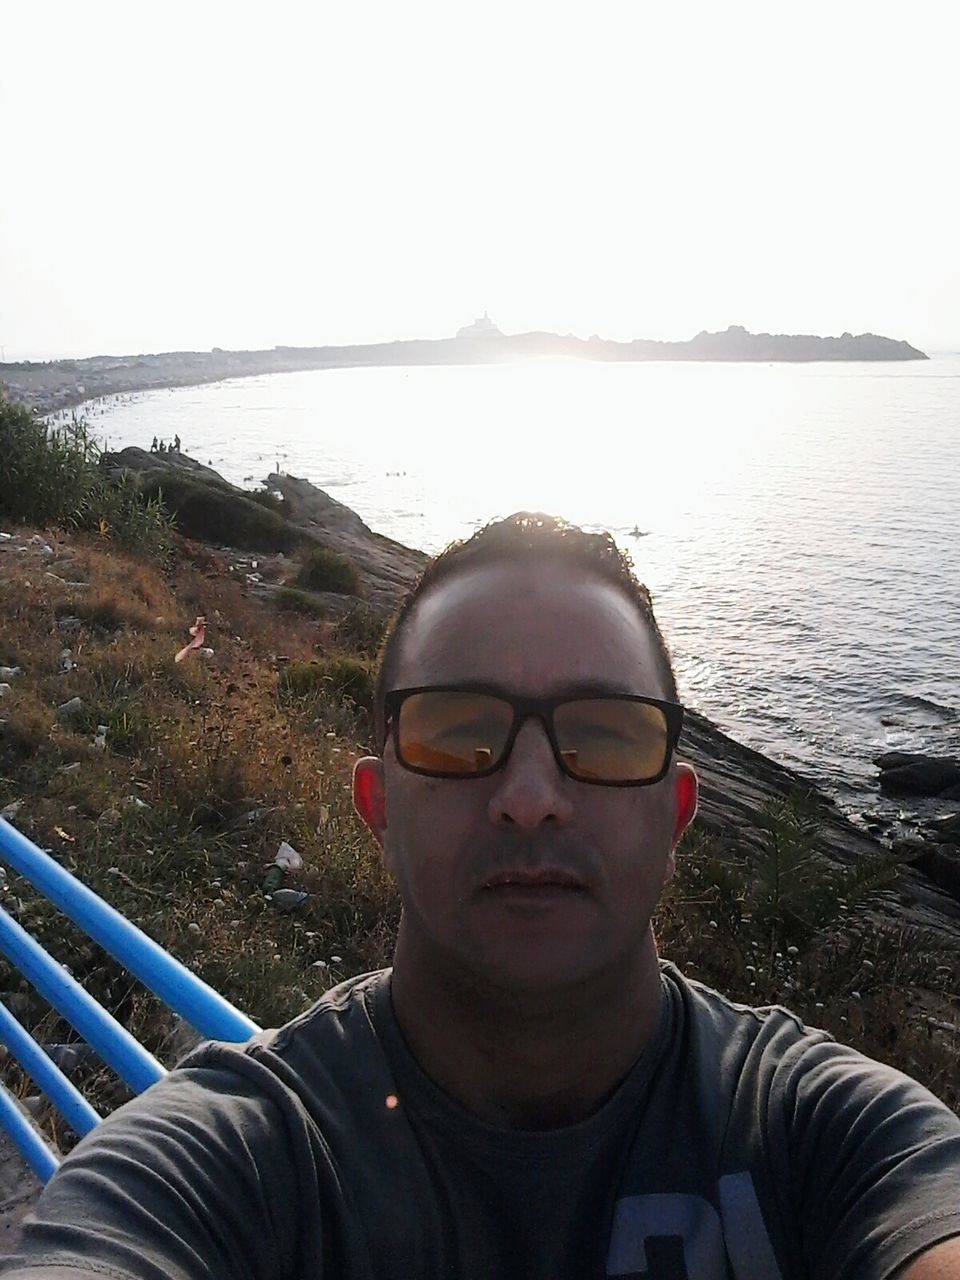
(741, 1144)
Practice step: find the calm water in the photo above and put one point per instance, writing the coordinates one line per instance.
(801, 523)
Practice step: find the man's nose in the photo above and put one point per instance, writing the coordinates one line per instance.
(530, 787)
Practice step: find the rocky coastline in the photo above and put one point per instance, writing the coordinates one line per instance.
(47, 387)
(738, 783)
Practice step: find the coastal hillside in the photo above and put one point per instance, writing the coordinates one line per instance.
(48, 386)
(209, 798)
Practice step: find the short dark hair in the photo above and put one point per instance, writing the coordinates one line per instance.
(526, 535)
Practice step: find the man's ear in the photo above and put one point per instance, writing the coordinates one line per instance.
(687, 793)
(368, 795)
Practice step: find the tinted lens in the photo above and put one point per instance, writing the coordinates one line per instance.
(611, 739)
(457, 734)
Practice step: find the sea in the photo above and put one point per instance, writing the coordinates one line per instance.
(797, 525)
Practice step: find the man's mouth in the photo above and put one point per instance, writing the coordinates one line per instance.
(541, 879)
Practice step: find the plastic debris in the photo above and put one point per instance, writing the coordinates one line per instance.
(289, 899)
(68, 1056)
(64, 835)
(72, 707)
(199, 633)
(273, 879)
(287, 857)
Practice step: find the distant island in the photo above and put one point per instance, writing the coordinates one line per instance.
(58, 384)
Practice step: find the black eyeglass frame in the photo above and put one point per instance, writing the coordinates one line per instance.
(523, 709)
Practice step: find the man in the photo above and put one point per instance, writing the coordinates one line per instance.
(529, 1093)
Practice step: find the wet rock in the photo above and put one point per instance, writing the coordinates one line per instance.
(946, 830)
(925, 777)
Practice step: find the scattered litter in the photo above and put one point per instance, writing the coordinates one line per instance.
(287, 857)
(72, 707)
(199, 633)
(68, 1056)
(64, 835)
(12, 809)
(10, 673)
(273, 879)
(136, 802)
(289, 899)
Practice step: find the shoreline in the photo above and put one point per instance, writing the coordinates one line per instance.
(50, 387)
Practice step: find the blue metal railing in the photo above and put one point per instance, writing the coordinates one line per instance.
(202, 1007)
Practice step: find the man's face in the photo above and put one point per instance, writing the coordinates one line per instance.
(532, 631)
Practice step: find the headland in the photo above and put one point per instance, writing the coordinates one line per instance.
(59, 384)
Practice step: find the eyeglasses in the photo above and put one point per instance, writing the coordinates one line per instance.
(463, 731)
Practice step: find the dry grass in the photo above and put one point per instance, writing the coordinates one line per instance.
(229, 759)
(227, 767)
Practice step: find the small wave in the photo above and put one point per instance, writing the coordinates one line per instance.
(917, 702)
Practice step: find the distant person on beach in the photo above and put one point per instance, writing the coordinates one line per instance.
(153, 447)
(163, 447)
(530, 1092)
(176, 444)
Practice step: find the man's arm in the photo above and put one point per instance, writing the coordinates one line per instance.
(193, 1178)
(942, 1262)
(875, 1167)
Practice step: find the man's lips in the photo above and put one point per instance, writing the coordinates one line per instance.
(535, 878)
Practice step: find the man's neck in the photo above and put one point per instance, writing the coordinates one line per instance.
(525, 1060)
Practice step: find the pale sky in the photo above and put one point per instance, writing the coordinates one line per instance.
(209, 174)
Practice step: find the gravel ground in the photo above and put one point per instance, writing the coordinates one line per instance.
(19, 1190)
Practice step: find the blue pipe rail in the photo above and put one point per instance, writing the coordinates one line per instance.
(46, 1075)
(112, 1041)
(26, 1139)
(205, 1009)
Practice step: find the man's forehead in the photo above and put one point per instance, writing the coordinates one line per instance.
(539, 626)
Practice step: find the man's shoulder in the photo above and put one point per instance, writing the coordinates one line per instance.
(333, 1039)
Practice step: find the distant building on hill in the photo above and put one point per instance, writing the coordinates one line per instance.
(482, 327)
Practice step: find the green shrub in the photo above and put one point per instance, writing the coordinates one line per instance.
(214, 512)
(334, 679)
(297, 601)
(269, 500)
(56, 478)
(361, 630)
(326, 570)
